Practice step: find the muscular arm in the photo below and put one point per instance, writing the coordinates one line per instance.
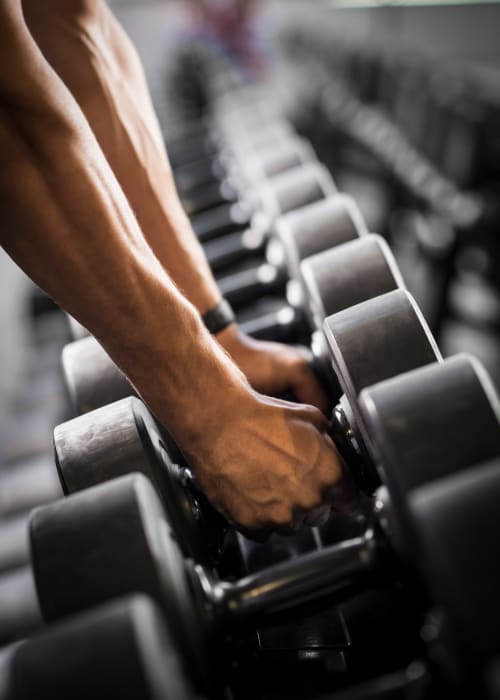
(89, 50)
(66, 221)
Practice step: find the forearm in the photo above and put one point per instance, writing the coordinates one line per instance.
(66, 222)
(101, 69)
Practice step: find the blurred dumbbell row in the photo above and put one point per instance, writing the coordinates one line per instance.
(415, 139)
(398, 598)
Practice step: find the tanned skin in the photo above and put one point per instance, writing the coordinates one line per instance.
(89, 50)
(264, 463)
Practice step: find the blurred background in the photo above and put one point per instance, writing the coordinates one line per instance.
(400, 100)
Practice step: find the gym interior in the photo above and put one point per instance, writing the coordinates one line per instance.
(338, 162)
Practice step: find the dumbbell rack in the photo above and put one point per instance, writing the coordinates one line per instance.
(354, 639)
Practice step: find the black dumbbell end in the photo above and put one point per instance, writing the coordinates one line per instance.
(120, 650)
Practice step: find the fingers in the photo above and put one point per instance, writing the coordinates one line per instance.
(308, 389)
(343, 495)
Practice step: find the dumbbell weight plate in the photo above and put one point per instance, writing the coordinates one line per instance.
(123, 437)
(139, 554)
(430, 422)
(370, 342)
(293, 189)
(195, 602)
(458, 529)
(118, 650)
(82, 361)
(353, 272)
(269, 162)
(317, 227)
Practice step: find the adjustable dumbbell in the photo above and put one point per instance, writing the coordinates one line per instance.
(121, 649)
(114, 537)
(381, 327)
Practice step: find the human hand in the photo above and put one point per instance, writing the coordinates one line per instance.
(270, 466)
(274, 368)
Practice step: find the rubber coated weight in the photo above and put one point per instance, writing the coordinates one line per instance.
(317, 227)
(123, 535)
(20, 613)
(431, 422)
(14, 546)
(370, 342)
(294, 189)
(278, 195)
(84, 361)
(348, 275)
(112, 540)
(294, 236)
(27, 484)
(262, 164)
(123, 437)
(93, 380)
(119, 650)
(458, 527)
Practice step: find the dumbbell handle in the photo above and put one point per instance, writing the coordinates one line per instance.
(333, 571)
(244, 287)
(230, 249)
(226, 218)
(281, 325)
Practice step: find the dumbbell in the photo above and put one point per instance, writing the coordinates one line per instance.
(294, 236)
(28, 483)
(381, 327)
(265, 202)
(91, 536)
(208, 139)
(234, 179)
(229, 156)
(121, 649)
(332, 281)
(458, 543)
(22, 486)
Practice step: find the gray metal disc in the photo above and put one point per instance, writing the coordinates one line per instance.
(375, 340)
(122, 649)
(294, 189)
(457, 523)
(317, 227)
(347, 275)
(91, 377)
(121, 438)
(112, 540)
(431, 422)
(283, 156)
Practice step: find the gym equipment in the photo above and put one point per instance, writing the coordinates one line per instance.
(121, 650)
(294, 236)
(26, 484)
(236, 178)
(86, 447)
(332, 281)
(458, 543)
(119, 530)
(265, 202)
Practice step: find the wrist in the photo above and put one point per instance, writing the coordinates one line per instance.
(218, 317)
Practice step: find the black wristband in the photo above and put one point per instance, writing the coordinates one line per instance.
(219, 317)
